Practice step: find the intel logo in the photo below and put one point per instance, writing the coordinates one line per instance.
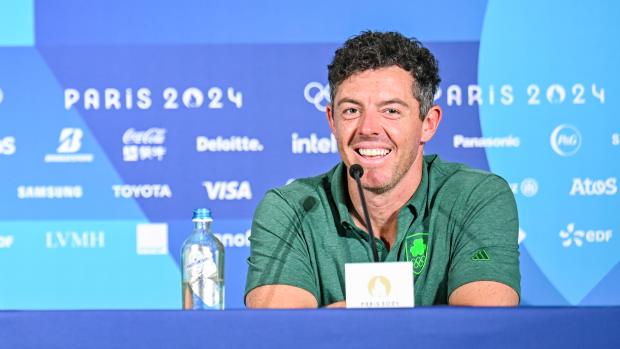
(565, 140)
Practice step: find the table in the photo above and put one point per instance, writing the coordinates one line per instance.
(432, 327)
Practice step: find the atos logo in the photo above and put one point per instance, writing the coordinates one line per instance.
(565, 140)
(70, 144)
(6, 241)
(1, 96)
(318, 95)
(593, 187)
(578, 237)
(228, 190)
(74, 239)
(7, 146)
(142, 191)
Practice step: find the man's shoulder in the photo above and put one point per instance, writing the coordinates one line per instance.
(458, 177)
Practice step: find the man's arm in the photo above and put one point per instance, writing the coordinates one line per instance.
(280, 296)
(485, 260)
(280, 273)
(484, 294)
(284, 297)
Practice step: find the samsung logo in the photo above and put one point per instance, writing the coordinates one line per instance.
(49, 192)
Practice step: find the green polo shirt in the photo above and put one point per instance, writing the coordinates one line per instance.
(460, 226)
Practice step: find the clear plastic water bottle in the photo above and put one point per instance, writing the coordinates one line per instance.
(202, 260)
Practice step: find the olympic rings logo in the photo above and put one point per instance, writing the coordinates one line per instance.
(317, 94)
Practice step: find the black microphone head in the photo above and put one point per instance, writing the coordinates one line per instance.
(356, 171)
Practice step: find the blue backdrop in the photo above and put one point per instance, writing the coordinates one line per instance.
(118, 118)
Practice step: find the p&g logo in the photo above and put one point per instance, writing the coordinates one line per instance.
(565, 140)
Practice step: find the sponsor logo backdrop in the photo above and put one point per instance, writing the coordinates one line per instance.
(117, 119)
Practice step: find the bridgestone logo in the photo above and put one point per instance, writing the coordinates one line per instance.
(460, 141)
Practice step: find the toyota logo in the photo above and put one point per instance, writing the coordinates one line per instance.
(317, 94)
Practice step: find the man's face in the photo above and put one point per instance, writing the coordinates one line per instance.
(376, 121)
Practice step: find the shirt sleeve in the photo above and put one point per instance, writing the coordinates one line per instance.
(278, 250)
(485, 243)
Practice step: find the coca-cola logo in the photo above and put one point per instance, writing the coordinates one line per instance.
(153, 135)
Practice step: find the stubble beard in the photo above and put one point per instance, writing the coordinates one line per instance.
(399, 174)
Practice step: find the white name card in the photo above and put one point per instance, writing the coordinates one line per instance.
(379, 285)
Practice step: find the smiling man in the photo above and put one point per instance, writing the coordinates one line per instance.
(456, 225)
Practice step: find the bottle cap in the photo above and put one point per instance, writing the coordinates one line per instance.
(202, 215)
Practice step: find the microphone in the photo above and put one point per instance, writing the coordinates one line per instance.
(356, 172)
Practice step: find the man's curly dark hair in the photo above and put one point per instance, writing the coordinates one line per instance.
(374, 50)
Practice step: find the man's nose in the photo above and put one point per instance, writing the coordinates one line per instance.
(370, 123)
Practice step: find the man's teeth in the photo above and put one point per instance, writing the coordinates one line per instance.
(374, 152)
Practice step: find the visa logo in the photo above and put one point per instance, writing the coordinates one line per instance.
(72, 239)
(228, 190)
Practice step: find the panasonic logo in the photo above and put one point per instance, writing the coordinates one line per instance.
(49, 192)
(142, 191)
(460, 141)
(228, 190)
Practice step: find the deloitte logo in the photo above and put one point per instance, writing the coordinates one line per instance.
(565, 140)
(578, 237)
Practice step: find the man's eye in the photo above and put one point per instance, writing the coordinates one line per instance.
(392, 113)
(350, 111)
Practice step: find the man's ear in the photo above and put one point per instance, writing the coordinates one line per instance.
(431, 123)
(329, 113)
